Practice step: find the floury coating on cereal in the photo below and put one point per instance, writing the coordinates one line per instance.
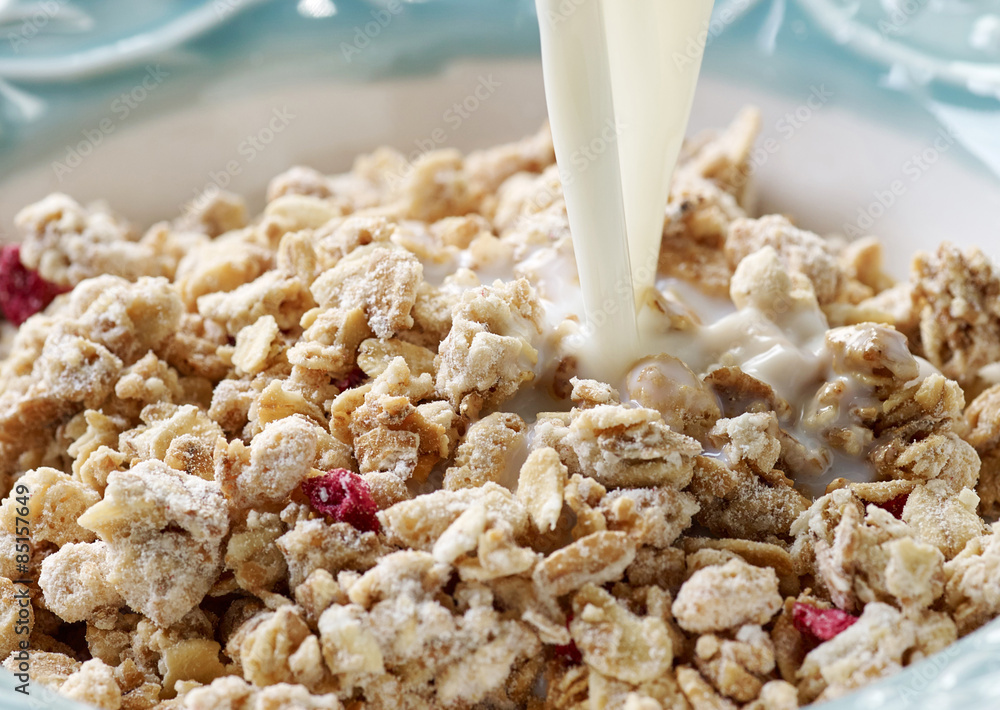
(347, 454)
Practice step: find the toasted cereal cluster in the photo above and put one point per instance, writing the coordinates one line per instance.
(345, 454)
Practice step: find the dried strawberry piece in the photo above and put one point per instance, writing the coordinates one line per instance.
(344, 496)
(569, 652)
(23, 293)
(355, 378)
(895, 505)
(820, 624)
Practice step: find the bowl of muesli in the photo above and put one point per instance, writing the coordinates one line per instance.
(311, 429)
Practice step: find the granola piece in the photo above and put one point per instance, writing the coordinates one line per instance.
(594, 559)
(698, 216)
(486, 451)
(431, 316)
(55, 501)
(616, 642)
(299, 180)
(277, 647)
(761, 281)
(436, 187)
(776, 695)
(148, 381)
(129, 319)
(982, 419)
(67, 243)
(163, 529)
(622, 447)
(699, 691)
(736, 667)
(721, 597)
(278, 459)
(279, 400)
(336, 240)
(314, 544)
(93, 683)
(418, 523)
(331, 340)
(653, 516)
(374, 356)
(231, 402)
(746, 496)
(875, 355)
(183, 437)
(873, 647)
(497, 554)
(232, 692)
(391, 432)
(667, 385)
(198, 347)
(214, 213)
(956, 295)
(943, 518)
(273, 293)
(914, 573)
(488, 353)
(945, 457)
(801, 252)
(540, 487)
(74, 583)
(382, 282)
(853, 552)
(971, 592)
(74, 369)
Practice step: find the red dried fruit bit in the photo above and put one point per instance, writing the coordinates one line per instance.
(23, 293)
(821, 624)
(895, 505)
(569, 652)
(344, 496)
(354, 379)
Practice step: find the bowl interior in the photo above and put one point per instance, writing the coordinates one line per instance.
(829, 167)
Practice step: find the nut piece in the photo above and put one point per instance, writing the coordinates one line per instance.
(488, 353)
(726, 596)
(540, 487)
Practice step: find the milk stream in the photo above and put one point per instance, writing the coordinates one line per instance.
(618, 104)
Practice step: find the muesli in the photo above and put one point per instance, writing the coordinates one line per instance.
(344, 454)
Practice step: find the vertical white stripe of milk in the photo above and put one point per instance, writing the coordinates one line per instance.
(609, 69)
(652, 93)
(581, 112)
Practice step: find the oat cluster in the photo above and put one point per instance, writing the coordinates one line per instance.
(341, 455)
